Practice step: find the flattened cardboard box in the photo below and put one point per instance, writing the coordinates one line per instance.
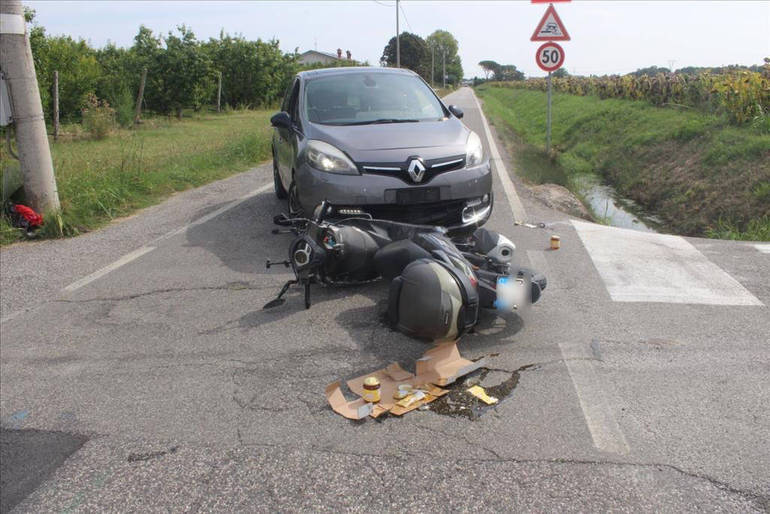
(356, 409)
(439, 366)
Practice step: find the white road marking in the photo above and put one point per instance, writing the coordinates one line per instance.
(146, 249)
(763, 248)
(510, 191)
(109, 268)
(646, 267)
(604, 428)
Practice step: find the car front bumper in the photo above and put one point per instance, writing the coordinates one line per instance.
(459, 198)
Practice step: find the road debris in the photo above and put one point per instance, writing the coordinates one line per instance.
(400, 391)
(356, 409)
(24, 218)
(482, 395)
(372, 390)
(496, 383)
(555, 242)
(138, 457)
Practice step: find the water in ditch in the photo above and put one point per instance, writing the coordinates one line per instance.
(610, 208)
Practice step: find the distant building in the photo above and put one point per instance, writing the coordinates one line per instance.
(315, 57)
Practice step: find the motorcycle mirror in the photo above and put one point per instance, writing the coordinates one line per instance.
(273, 303)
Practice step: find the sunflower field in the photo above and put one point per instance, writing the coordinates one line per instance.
(742, 95)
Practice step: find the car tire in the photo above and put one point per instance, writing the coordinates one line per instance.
(295, 207)
(280, 191)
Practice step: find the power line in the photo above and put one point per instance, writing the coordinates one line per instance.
(406, 19)
(382, 3)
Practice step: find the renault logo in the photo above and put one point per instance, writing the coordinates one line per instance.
(416, 169)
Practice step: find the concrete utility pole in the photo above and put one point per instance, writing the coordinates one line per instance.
(31, 138)
(398, 43)
(55, 105)
(219, 93)
(443, 67)
(139, 97)
(432, 65)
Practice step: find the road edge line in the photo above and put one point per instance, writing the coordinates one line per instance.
(519, 214)
(131, 256)
(605, 430)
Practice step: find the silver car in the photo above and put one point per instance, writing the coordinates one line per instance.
(378, 141)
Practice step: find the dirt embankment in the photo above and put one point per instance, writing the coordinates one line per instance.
(560, 198)
(692, 195)
(695, 171)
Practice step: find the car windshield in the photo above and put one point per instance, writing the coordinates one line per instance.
(369, 98)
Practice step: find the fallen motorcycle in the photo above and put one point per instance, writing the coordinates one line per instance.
(438, 283)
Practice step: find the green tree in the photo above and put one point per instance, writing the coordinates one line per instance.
(79, 71)
(560, 73)
(414, 54)
(490, 67)
(508, 72)
(118, 81)
(254, 73)
(145, 53)
(650, 70)
(442, 41)
(186, 72)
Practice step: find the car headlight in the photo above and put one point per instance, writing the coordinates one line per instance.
(325, 157)
(474, 152)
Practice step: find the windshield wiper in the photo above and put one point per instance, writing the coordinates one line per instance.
(382, 120)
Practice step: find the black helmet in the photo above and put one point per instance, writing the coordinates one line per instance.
(432, 300)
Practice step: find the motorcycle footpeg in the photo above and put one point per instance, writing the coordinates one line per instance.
(269, 263)
(282, 220)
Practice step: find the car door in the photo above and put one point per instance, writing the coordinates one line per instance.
(286, 141)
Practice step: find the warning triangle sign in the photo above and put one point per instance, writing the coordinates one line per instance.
(550, 28)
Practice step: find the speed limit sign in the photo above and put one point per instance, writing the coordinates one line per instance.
(550, 56)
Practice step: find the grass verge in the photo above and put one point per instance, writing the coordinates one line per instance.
(99, 181)
(700, 175)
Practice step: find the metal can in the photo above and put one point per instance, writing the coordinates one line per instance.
(371, 389)
(555, 242)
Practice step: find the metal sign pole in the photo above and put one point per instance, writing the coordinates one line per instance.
(548, 118)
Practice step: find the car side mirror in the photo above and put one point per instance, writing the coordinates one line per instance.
(281, 120)
(456, 111)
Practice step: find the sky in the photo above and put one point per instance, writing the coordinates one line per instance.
(610, 36)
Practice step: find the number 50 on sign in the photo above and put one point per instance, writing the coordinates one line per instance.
(550, 56)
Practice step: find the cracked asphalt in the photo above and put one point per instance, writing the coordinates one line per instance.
(189, 397)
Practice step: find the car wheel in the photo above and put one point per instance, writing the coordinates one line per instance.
(280, 191)
(295, 207)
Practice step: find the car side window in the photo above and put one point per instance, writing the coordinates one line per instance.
(287, 96)
(294, 103)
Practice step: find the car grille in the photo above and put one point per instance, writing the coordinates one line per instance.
(433, 167)
(446, 213)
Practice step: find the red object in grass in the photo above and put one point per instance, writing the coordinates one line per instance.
(34, 219)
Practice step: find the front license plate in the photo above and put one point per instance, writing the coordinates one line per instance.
(418, 195)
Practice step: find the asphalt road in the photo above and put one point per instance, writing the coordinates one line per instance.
(194, 399)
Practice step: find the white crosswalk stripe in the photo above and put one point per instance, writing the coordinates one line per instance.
(644, 267)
